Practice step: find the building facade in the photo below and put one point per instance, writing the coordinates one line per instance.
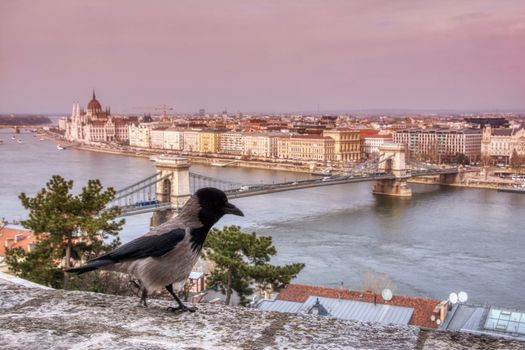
(174, 139)
(209, 141)
(140, 135)
(347, 144)
(231, 143)
(306, 148)
(191, 140)
(157, 138)
(441, 145)
(260, 145)
(498, 144)
(371, 140)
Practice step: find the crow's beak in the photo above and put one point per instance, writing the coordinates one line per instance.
(232, 209)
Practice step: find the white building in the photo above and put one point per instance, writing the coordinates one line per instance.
(157, 138)
(231, 143)
(140, 135)
(174, 139)
(191, 140)
(372, 142)
(260, 145)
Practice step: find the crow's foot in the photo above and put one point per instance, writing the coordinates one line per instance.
(183, 308)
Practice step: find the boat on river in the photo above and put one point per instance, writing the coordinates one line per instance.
(322, 172)
(60, 148)
(516, 189)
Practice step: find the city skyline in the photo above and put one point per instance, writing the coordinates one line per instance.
(263, 57)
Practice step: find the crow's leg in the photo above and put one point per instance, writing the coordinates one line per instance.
(181, 306)
(143, 297)
(136, 284)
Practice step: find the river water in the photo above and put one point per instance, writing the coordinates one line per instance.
(441, 240)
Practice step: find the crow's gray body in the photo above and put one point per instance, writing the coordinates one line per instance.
(166, 255)
(174, 266)
(157, 272)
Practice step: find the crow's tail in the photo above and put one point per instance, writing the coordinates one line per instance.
(90, 266)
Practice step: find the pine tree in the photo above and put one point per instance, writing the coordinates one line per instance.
(68, 227)
(242, 258)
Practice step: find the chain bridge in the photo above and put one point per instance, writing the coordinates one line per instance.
(169, 188)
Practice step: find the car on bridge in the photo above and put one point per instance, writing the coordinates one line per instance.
(148, 203)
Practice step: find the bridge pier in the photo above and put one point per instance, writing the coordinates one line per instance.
(393, 161)
(396, 187)
(449, 178)
(174, 189)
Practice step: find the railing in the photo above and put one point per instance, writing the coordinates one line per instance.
(199, 181)
(142, 194)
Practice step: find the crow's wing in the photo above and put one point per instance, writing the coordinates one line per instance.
(154, 244)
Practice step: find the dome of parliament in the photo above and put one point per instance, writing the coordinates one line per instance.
(94, 105)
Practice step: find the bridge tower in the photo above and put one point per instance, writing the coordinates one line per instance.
(175, 188)
(393, 161)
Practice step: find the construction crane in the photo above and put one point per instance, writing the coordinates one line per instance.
(163, 107)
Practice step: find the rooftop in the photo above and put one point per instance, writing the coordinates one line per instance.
(439, 130)
(14, 237)
(480, 319)
(343, 309)
(423, 307)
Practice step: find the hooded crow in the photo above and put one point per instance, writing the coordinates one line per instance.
(166, 254)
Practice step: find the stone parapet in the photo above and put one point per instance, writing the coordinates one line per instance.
(33, 318)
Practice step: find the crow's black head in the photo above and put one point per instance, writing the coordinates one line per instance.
(214, 204)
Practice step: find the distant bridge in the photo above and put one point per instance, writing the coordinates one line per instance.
(169, 189)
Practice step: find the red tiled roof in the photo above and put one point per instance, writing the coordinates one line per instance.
(368, 132)
(423, 307)
(13, 238)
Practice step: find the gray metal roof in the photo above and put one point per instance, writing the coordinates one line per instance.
(279, 305)
(464, 317)
(361, 311)
(473, 319)
(344, 309)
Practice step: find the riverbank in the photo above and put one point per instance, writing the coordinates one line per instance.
(8, 121)
(212, 161)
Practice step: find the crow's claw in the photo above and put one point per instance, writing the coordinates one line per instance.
(182, 309)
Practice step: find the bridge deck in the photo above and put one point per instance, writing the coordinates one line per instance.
(255, 190)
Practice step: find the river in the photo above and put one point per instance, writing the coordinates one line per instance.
(441, 240)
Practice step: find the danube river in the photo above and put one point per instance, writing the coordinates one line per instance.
(441, 240)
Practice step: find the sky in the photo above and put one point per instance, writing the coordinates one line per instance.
(262, 56)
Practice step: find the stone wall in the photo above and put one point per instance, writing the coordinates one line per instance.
(33, 318)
